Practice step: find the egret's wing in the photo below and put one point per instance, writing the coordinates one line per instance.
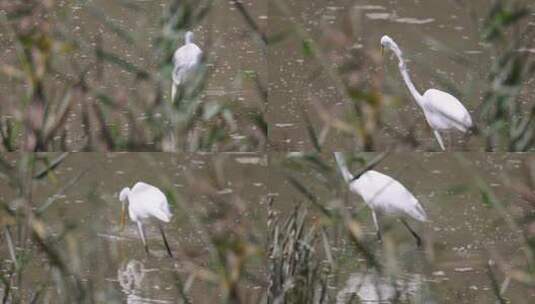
(185, 59)
(180, 57)
(187, 55)
(445, 111)
(389, 195)
(141, 186)
(147, 200)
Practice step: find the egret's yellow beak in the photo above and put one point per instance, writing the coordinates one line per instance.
(123, 217)
(382, 50)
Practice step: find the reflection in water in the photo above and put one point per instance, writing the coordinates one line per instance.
(462, 231)
(130, 277)
(373, 288)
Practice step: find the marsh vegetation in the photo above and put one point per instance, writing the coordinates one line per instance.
(96, 76)
(299, 79)
(332, 80)
(290, 233)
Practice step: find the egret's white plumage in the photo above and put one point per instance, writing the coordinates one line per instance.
(383, 194)
(442, 111)
(145, 202)
(186, 61)
(386, 195)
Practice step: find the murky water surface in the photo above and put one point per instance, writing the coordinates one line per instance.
(218, 194)
(233, 54)
(433, 35)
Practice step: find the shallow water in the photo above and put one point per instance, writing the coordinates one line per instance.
(212, 198)
(433, 35)
(111, 259)
(221, 198)
(440, 39)
(462, 237)
(98, 22)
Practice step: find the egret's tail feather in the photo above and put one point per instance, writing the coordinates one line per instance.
(474, 129)
(162, 216)
(463, 126)
(420, 213)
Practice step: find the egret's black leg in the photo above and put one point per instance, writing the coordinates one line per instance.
(165, 241)
(416, 236)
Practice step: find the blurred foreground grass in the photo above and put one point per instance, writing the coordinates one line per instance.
(341, 54)
(240, 254)
(59, 70)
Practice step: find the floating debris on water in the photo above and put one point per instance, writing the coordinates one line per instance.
(463, 269)
(225, 191)
(284, 125)
(252, 160)
(414, 20)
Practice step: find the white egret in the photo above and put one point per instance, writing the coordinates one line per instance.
(384, 195)
(442, 111)
(145, 202)
(186, 61)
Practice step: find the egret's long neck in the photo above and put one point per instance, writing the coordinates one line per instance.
(340, 161)
(189, 39)
(405, 75)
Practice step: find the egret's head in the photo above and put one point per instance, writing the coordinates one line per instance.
(123, 197)
(386, 42)
(189, 37)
